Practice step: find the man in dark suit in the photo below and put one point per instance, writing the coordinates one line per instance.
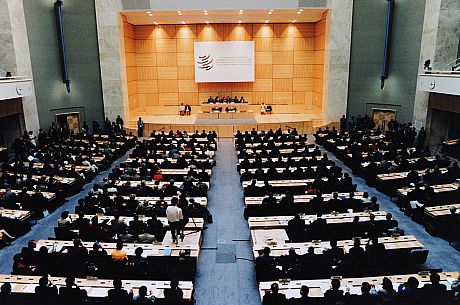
(273, 297)
(118, 295)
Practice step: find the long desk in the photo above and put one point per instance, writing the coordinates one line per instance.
(441, 210)
(157, 249)
(47, 195)
(193, 224)
(301, 199)
(63, 180)
(276, 240)
(203, 201)
(402, 175)
(353, 285)
(152, 184)
(273, 222)
(18, 215)
(96, 288)
(439, 188)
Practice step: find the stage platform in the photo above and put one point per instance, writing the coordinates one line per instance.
(227, 127)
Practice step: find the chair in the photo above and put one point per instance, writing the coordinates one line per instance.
(269, 109)
(418, 257)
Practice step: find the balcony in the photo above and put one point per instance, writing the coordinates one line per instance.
(445, 82)
(15, 87)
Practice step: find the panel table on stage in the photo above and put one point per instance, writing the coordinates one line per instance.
(240, 107)
(23, 285)
(318, 287)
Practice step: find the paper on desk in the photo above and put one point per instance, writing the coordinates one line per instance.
(29, 288)
(324, 287)
(292, 293)
(98, 292)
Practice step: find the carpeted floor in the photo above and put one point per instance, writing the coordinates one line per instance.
(226, 273)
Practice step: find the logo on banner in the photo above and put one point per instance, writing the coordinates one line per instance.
(205, 62)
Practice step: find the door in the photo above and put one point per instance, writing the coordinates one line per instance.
(72, 119)
(381, 117)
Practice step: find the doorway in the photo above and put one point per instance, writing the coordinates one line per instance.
(381, 117)
(70, 118)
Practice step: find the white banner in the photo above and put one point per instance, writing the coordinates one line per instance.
(224, 61)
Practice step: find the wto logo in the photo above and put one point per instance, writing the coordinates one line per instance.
(205, 62)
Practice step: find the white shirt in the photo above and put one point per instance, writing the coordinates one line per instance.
(174, 214)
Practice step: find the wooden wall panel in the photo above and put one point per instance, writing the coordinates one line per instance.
(282, 98)
(185, 45)
(166, 59)
(167, 72)
(283, 58)
(165, 45)
(283, 71)
(147, 86)
(289, 63)
(168, 85)
(145, 45)
(186, 31)
(146, 72)
(282, 84)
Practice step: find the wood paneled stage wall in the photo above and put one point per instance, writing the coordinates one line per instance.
(289, 63)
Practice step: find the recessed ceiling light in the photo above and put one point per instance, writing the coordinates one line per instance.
(240, 12)
(239, 21)
(270, 12)
(183, 22)
(205, 11)
(149, 12)
(207, 22)
(299, 12)
(266, 21)
(179, 12)
(155, 23)
(294, 21)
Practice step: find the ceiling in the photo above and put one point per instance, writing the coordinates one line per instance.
(223, 16)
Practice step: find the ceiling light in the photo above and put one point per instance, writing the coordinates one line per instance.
(207, 22)
(299, 12)
(239, 21)
(294, 21)
(180, 13)
(270, 13)
(271, 10)
(240, 12)
(205, 11)
(149, 12)
(183, 22)
(155, 23)
(266, 21)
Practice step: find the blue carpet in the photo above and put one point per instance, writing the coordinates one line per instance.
(45, 227)
(442, 255)
(220, 279)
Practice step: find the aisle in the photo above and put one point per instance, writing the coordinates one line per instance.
(224, 275)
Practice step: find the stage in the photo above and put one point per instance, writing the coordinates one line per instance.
(305, 123)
